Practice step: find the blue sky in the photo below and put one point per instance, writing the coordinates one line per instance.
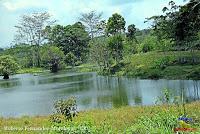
(68, 11)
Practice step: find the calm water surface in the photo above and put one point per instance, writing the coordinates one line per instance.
(26, 94)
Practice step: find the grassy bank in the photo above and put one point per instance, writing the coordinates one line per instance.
(151, 65)
(169, 65)
(139, 120)
(30, 70)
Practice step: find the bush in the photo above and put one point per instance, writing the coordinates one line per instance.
(117, 67)
(153, 74)
(70, 59)
(146, 48)
(162, 62)
(148, 44)
(52, 57)
(166, 97)
(68, 108)
(8, 66)
(195, 74)
(57, 118)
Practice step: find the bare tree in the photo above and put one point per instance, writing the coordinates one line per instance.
(30, 30)
(92, 21)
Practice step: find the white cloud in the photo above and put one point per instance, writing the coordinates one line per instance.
(19, 4)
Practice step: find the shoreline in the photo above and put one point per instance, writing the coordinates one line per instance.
(118, 118)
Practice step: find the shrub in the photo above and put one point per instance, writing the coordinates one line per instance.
(165, 98)
(162, 62)
(8, 66)
(57, 118)
(52, 57)
(68, 108)
(148, 44)
(70, 59)
(153, 74)
(195, 74)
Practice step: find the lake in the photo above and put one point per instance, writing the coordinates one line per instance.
(27, 94)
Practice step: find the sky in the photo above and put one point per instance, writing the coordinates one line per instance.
(68, 11)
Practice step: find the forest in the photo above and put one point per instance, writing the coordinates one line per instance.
(107, 46)
(103, 76)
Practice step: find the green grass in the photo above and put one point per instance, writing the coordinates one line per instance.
(139, 120)
(181, 72)
(161, 65)
(30, 70)
(85, 68)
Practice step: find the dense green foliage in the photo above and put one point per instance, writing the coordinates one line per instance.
(111, 47)
(52, 57)
(154, 65)
(8, 66)
(115, 45)
(71, 38)
(170, 49)
(24, 54)
(115, 24)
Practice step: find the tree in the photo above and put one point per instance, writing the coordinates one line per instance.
(179, 24)
(100, 54)
(131, 32)
(23, 53)
(188, 26)
(115, 44)
(195, 4)
(1, 50)
(52, 57)
(131, 41)
(8, 66)
(30, 30)
(102, 28)
(70, 59)
(91, 21)
(70, 38)
(115, 24)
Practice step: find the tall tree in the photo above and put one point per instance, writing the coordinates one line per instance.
(100, 54)
(91, 21)
(179, 24)
(188, 26)
(131, 32)
(71, 38)
(164, 25)
(30, 30)
(115, 24)
(115, 44)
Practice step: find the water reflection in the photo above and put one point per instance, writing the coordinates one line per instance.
(10, 83)
(35, 95)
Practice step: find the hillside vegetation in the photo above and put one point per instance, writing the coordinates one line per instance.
(169, 65)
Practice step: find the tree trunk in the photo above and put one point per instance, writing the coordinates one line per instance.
(5, 76)
(54, 67)
(38, 56)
